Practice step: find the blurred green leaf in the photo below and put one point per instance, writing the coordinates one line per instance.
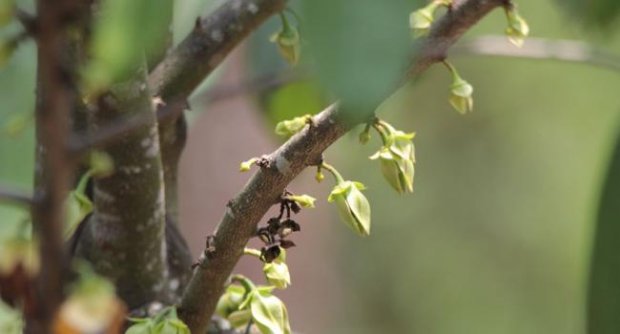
(295, 99)
(125, 33)
(604, 289)
(17, 124)
(594, 13)
(360, 47)
(10, 320)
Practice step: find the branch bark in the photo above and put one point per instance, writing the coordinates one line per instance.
(183, 69)
(125, 239)
(244, 212)
(55, 95)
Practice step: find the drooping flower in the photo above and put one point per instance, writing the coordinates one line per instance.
(517, 29)
(353, 207)
(288, 41)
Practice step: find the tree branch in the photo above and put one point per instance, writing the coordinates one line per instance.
(539, 48)
(15, 196)
(212, 39)
(55, 95)
(448, 29)
(245, 211)
(125, 241)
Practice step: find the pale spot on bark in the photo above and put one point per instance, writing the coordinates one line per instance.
(282, 164)
(252, 8)
(217, 35)
(103, 196)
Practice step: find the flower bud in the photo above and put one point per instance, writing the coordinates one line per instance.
(319, 176)
(420, 21)
(290, 127)
(288, 41)
(101, 164)
(277, 273)
(518, 28)
(461, 95)
(364, 136)
(353, 207)
(247, 165)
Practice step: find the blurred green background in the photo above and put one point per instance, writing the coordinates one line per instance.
(498, 235)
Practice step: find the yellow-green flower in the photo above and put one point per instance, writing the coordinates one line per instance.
(288, 41)
(421, 20)
(460, 92)
(277, 272)
(397, 157)
(517, 29)
(353, 207)
(290, 127)
(461, 96)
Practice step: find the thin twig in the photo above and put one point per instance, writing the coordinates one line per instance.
(11, 195)
(539, 48)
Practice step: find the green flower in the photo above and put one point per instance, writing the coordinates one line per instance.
(277, 273)
(461, 96)
(421, 20)
(398, 171)
(288, 41)
(245, 302)
(397, 157)
(229, 301)
(305, 201)
(290, 127)
(353, 207)
(460, 92)
(517, 29)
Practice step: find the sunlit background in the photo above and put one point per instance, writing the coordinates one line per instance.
(497, 236)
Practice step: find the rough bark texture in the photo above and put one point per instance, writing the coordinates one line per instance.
(125, 240)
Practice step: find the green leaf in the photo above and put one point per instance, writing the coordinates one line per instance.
(294, 99)
(141, 327)
(125, 32)
(349, 38)
(604, 287)
(77, 207)
(593, 13)
(11, 321)
(269, 314)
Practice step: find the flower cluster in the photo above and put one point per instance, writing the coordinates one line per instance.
(244, 303)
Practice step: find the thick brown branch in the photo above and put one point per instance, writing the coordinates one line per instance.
(248, 207)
